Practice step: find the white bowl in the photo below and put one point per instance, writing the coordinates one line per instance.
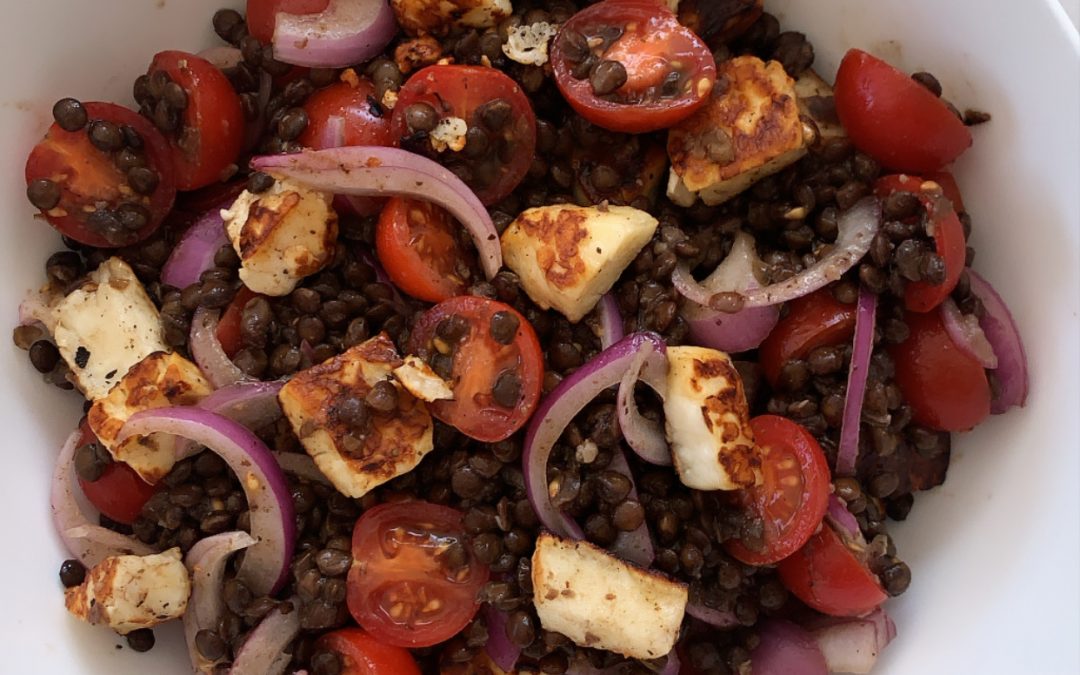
(994, 553)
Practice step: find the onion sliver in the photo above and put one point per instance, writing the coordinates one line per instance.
(194, 253)
(967, 334)
(1000, 329)
(717, 618)
(222, 56)
(786, 649)
(209, 355)
(273, 523)
(847, 452)
(841, 518)
(263, 652)
(644, 436)
(253, 404)
(611, 324)
(87, 541)
(636, 545)
(345, 33)
(301, 465)
(853, 645)
(499, 648)
(559, 408)
(369, 171)
(206, 562)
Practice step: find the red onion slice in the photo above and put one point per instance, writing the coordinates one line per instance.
(786, 649)
(712, 616)
(636, 545)
(847, 451)
(273, 523)
(301, 465)
(853, 645)
(370, 171)
(263, 652)
(194, 254)
(841, 518)
(967, 334)
(253, 404)
(345, 33)
(556, 411)
(216, 366)
(1000, 329)
(84, 539)
(499, 648)
(611, 324)
(644, 436)
(206, 561)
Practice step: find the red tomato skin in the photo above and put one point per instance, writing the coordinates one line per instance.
(362, 654)
(893, 118)
(213, 109)
(828, 577)
(397, 243)
(641, 117)
(228, 328)
(59, 148)
(946, 389)
(779, 433)
(812, 321)
(261, 14)
(119, 493)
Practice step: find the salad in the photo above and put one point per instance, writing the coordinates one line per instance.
(462, 337)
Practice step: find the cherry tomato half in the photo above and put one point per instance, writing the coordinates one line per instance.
(89, 178)
(893, 118)
(405, 588)
(207, 136)
(262, 14)
(501, 141)
(228, 328)
(812, 321)
(669, 72)
(119, 493)
(793, 495)
(345, 114)
(362, 654)
(828, 577)
(948, 233)
(946, 389)
(496, 380)
(419, 245)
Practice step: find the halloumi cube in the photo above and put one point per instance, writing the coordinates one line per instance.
(129, 592)
(568, 256)
(106, 326)
(159, 380)
(708, 421)
(439, 17)
(600, 601)
(357, 461)
(816, 101)
(282, 235)
(749, 129)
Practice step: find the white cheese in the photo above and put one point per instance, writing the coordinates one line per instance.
(528, 44)
(449, 133)
(421, 381)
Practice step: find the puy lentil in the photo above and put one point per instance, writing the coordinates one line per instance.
(70, 114)
(72, 573)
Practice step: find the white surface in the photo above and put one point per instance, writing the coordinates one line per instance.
(995, 553)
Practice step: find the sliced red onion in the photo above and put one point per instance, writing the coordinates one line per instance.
(847, 452)
(370, 171)
(222, 56)
(556, 411)
(369, 259)
(273, 523)
(206, 561)
(967, 334)
(841, 518)
(1000, 329)
(644, 436)
(253, 404)
(215, 364)
(301, 465)
(263, 652)
(84, 539)
(194, 253)
(611, 324)
(499, 648)
(857, 227)
(740, 271)
(347, 32)
(853, 645)
(636, 545)
(786, 649)
(717, 618)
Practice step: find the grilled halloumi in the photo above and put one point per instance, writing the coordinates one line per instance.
(421, 381)
(568, 256)
(438, 17)
(129, 592)
(323, 404)
(708, 421)
(600, 601)
(106, 326)
(282, 235)
(749, 129)
(817, 102)
(157, 381)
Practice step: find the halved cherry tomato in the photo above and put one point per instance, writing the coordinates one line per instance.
(669, 70)
(228, 328)
(504, 140)
(89, 178)
(362, 654)
(828, 577)
(948, 233)
(211, 132)
(119, 493)
(261, 14)
(948, 183)
(418, 244)
(496, 384)
(406, 588)
(946, 388)
(793, 495)
(812, 321)
(893, 118)
(342, 114)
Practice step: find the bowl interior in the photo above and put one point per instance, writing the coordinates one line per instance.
(994, 552)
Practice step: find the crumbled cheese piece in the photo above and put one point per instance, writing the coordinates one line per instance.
(449, 133)
(529, 44)
(421, 381)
